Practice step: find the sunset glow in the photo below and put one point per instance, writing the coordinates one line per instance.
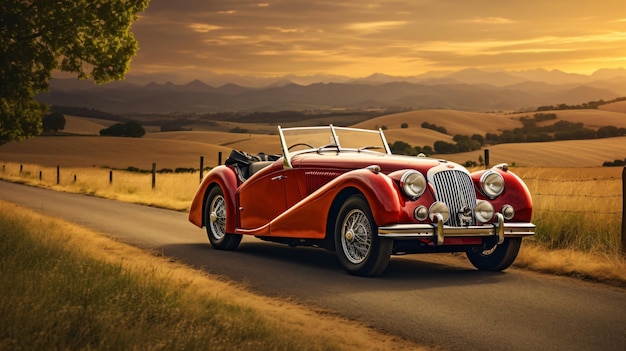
(189, 39)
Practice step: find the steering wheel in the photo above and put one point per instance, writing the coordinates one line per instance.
(301, 144)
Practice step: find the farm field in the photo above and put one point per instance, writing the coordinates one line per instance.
(183, 149)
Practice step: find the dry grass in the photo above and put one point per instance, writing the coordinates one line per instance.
(578, 217)
(172, 190)
(578, 210)
(600, 267)
(197, 305)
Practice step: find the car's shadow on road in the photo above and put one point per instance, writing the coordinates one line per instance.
(263, 262)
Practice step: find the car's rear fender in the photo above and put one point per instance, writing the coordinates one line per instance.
(226, 178)
(309, 218)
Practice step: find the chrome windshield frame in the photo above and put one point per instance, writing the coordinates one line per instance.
(334, 141)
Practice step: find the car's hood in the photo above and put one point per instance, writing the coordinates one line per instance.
(354, 160)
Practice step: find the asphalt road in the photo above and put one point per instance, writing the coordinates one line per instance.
(433, 300)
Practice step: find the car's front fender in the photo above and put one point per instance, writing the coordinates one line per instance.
(515, 193)
(308, 218)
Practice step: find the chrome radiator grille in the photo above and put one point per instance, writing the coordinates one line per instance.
(455, 189)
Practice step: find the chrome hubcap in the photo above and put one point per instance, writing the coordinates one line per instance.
(349, 235)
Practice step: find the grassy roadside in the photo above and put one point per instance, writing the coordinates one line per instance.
(66, 287)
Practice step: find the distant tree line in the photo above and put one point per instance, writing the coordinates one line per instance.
(585, 105)
(529, 132)
(403, 148)
(616, 163)
(434, 127)
(560, 130)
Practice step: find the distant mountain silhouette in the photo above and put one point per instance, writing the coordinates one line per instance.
(469, 90)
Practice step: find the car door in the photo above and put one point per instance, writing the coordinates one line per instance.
(262, 199)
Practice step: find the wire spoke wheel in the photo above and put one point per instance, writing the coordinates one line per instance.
(359, 249)
(356, 236)
(215, 219)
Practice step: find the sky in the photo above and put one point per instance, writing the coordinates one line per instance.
(182, 40)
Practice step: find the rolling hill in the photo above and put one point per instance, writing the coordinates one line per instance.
(183, 149)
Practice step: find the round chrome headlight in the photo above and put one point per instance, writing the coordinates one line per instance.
(492, 184)
(484, 211)
(413, 184)
(441, 208)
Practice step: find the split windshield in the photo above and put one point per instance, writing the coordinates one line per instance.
(331, 138)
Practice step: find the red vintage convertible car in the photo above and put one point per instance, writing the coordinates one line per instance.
(342, 189)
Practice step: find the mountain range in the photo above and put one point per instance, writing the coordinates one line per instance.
(467, 90)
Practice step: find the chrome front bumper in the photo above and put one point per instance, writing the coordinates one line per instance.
(438, 231)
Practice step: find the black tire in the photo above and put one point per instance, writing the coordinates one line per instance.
(215, 220)
(497, 259)
(359, 249)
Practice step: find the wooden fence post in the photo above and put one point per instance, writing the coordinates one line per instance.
(219, 158)
(201, 167)
(624, 211)
(487, 158)
(110, 176)
(58, 175)
(153, 175)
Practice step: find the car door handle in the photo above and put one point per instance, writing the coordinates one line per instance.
(280, 177)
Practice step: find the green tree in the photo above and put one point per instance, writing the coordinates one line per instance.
(130, 129)
(402, 148)
(54, 121)
(442, 147)
(90, 38)
(134, 130)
